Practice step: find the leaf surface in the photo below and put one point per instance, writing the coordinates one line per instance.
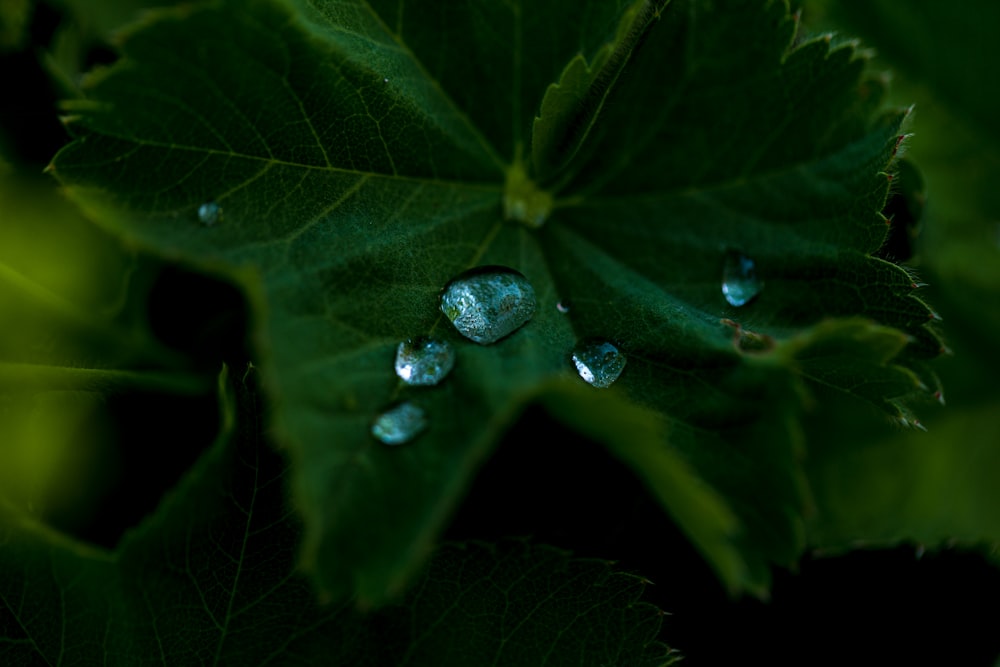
(365, 153)
(210, 579)
(876, 485)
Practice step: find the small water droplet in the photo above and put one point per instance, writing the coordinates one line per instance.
(209, 213)
(562, 307)
(740, 283)
(399, 424)
(599, 363)
(424, 361)
(385, 80)
(489, 303)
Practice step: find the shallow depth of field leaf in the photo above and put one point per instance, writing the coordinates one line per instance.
(75, 335)
(364, 153)
(209, 579)
(929, 488)
(874, 485)
(14, 17)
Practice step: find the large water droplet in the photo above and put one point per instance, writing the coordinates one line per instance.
(209, 213)
(400, 424)
(599, 363)
(740, 283)
(489, 303)
(424, 361)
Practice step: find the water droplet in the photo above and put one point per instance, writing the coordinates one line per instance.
(424, 361)
(599, 363)
(400, 424)
(385, 80)
(209, 213)
(489, 303)
(740, 283)
(562, 307)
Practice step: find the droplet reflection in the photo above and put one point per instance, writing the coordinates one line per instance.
(487, 304)
(599, 363)
(424, 361)
(399, 424)
(209, 213)
(740, 284)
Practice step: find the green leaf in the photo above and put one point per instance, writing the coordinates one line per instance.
(879, 486)
(572, 106)
(196, 562)
(210, 579)
(14, 18)
(958, 146)
(526, 605)
(365, 153)
(929, 488)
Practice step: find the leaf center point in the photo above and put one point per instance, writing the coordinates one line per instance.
(523, 200)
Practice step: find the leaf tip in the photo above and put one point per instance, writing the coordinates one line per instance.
(900, 145)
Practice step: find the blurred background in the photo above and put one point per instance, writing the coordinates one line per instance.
(103, 346)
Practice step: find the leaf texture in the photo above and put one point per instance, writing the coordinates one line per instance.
(210, 580)
(365, 153)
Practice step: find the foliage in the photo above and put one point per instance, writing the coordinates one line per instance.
(621, 156)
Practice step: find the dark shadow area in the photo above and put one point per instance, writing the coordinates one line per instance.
(144, 442)
(203, 317)
(29, 112)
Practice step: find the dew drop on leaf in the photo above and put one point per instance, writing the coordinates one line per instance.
(599, 363)
(424, 361)
(489, 303)
(209, 213)
(740, 283)
(399, 424)
(562, 307)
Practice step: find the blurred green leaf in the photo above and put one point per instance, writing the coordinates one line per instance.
(364, 153)
(75, 334)
(101, 20)
(218, 556)
(878, 487)
(15, 16)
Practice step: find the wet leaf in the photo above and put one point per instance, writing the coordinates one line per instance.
(363, 154)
